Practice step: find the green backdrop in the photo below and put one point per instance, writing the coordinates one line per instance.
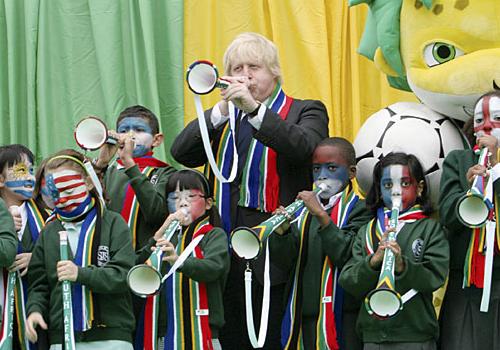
(61, 60)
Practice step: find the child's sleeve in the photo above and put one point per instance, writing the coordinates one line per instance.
(112, 277)
(38, 285)
(151, 197)
(8, 238)
(215, 262)
(452, 187)
(357, 277)
(284, 249)
(337, 243)
(429, 273)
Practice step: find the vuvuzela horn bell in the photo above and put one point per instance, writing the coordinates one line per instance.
(384, 301)
(144, 279)
(473, 208)
(202, 77)
(247, 242)
(91, 133)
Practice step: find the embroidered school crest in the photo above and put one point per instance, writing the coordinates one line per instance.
(417, 247)
(154, 179)
(102, 255)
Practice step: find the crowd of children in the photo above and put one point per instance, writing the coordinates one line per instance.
(333, 250)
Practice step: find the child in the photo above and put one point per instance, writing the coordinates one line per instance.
(202, 275)
(16, 189)
(101, 254)
(315, 256)
(421, 257)
(136, 184)
(463, 325)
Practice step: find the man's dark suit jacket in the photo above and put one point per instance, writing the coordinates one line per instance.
(293, 139)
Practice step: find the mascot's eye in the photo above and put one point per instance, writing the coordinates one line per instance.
(439, 53)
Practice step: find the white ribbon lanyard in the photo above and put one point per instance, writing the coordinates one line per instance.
(184, 255)
(206, 141)
(490, 248)
(264, 316)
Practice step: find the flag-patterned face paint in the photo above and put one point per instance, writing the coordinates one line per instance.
(396, 181)
(20, 179)
(487, 117)
(67, 189)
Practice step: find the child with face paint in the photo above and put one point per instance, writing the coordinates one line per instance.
(315, 249)
(202, 275)
(421, 257)
(100, 255)
(463, 325)
(136, 183)
(17, 182)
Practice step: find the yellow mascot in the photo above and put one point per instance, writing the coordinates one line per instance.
(447, 52)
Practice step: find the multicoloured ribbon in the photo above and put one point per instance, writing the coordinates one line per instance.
(260, 180)
(130, 208)
(187, 301)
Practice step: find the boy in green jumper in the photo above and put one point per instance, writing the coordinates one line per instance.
(136, 184)
(315, 250)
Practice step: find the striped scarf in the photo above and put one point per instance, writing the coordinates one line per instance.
(34, 222)
(475, 258)
(187, 302)
(85, 255)
(260, 180)
(331, 295)
(377, 226)
(130, 207)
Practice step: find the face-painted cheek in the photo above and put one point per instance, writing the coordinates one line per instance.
(171, 203)
(143, 143)
(51, 187)
(409, 196)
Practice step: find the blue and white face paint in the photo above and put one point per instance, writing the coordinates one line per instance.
(20, 179)
(141, 134)
(171, 199)
(335, 176)
(396, 181)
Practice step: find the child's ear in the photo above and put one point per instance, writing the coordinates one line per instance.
(2, 181)
(157, 140)
(352, 172)
(209, 203)
(420, 188)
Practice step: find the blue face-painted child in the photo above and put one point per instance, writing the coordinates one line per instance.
(141, 132)
(331, 168)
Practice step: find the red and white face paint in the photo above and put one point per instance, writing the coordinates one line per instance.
(487, 117)
(396, 181)
(67, 188)
(192, 201)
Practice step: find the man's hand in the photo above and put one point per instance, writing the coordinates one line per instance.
(238, 92)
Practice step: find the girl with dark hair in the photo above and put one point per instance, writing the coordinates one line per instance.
(101, 253)
(17, 182)
(421, 257)
(202, 276)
